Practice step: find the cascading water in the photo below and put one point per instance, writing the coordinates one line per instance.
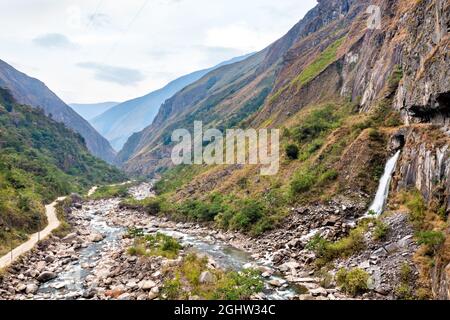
(381, 197)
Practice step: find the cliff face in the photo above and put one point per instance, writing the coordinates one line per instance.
(331, 55)
(32, 92)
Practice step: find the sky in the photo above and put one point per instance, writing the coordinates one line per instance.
(89, 51)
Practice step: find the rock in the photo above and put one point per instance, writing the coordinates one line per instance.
(89, 293)
(148, 285)
(124, 296)
(40, 266)
(21, 288)
(318, 292)
(289, 266)
(365, 265)
(305, 297)
(152, 295)
(96, 237)
(69, 238)
(78, 206)
(49, 259)
(276, 283)
(46, 276)
(207, 277)
(31, 288)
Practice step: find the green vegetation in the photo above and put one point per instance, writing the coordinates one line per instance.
(111, 191)
(159, 245)
(353, 281)
(404, 291)
(327, 57)
(175, 178)
(431, 239)
(327, 251)
(40, 160)
(380, 231)
(292, 151)
(183, 282)
(323, 61)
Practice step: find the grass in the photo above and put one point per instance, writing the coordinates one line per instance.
(323, 61)
(353, 281)
(327, 251)
(112, 191)
(183, 282)
(327, 57)
(159, 245)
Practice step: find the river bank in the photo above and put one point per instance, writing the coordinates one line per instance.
(93, 261)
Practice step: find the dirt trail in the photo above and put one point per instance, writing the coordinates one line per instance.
(53, 223)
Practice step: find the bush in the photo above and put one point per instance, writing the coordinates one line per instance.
(154, 245)
(303, 181)
(381, 230)
(328, 251)
(250, 212)
(183, 281)
(292, 151)
(432, 239)
(353, 282)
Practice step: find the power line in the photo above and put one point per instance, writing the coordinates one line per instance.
(97, 10)
(114, 46)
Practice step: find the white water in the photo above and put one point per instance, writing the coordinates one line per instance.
(383, 189)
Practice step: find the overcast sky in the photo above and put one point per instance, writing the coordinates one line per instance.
(112, 50)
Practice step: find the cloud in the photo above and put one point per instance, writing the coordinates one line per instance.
(118, 75)
(54, 40)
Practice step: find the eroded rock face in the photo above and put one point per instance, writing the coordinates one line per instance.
(424, 92)
(425, 164)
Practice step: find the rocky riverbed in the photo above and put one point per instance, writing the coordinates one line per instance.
(92, 262)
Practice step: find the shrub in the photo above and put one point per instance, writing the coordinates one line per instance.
(250, 212)
(328, 251)
(303, 181)
(381, 230)
(432, 239)
(353, 282)
(292, 151)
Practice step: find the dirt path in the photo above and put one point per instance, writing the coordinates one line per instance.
(53, 223)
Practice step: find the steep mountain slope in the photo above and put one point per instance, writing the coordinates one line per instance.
(232, 93)
(347, 97)
(33, 92)
(90, 111)
(120, 122)
(40, 160)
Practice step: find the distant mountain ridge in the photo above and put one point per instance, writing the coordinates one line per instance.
(120, 122)
(91, 110)
(35, 93)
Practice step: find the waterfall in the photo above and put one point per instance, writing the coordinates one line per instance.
(383, 189)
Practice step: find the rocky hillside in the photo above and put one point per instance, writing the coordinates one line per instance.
(33, 92)
(40, 160)
(347, 97)
(129, 117)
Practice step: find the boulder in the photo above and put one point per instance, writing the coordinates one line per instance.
(206, 277)
(148, 285)
(31, 288)
(46, 276)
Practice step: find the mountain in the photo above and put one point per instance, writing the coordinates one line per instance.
(32, 92)
(121, 121)
(40, 160)
(90, 111)
(348, 94)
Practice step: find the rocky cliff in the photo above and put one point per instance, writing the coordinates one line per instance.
(395, 79)
(32, 92)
